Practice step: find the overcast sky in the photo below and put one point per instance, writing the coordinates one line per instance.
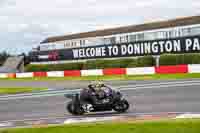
(25, 23)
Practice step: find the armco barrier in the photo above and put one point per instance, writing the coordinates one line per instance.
(172, 69)
(114, 71)
(40, 74)
(24, 75)
(55, 74)
(140, 71)
(72, 73)
(194, 68)
(3, 75)
(94, 72)
(11, 75)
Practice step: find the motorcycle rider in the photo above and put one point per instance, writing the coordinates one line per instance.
(89, 94)
(95, 93)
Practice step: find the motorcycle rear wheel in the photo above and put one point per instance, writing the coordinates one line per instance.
(74, 111)
(121, 106)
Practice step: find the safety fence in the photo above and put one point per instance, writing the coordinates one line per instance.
(191, 68)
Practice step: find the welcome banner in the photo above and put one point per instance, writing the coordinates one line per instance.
(152, 47)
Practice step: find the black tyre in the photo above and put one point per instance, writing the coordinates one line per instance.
(121, 106)
(74, 111)
(69, 107)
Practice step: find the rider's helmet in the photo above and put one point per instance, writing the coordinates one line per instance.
(97, 85)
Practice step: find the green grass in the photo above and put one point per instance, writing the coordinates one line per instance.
(165, 126)
(19, 90)
(122, 77)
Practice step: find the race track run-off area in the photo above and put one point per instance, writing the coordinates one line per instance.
(146, 98)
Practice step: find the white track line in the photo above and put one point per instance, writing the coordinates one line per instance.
(162, 83)
(161, 86)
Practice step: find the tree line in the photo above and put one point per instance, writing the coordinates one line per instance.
(3, 56)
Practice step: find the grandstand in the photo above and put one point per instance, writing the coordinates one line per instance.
(13, 64)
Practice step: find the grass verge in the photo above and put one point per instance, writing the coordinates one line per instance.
(165, 126)
(121, 77)
(19, 90)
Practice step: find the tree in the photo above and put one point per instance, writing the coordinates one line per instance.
(3, 56)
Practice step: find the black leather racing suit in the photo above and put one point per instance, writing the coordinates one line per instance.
(89, 95)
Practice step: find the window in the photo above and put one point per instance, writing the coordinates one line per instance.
(123, 39)
(82, 43)
(195, 31)
(150, 36)
(73, 44)
(140, 37)
(132, 38)
(113, 40)
(66, 44)
(107, 41)
(185, 32)
(161, 34)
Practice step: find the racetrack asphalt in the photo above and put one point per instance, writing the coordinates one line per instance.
(60, 84)
(153, 98)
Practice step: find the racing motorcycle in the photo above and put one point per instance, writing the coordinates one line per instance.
(115, 101)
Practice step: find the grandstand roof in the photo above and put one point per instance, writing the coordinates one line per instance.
(127, 29)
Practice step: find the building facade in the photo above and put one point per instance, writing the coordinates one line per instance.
(176, 28)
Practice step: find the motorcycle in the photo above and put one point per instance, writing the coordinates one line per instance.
(114, 101)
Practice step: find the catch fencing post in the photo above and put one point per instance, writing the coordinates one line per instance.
(157, 60)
